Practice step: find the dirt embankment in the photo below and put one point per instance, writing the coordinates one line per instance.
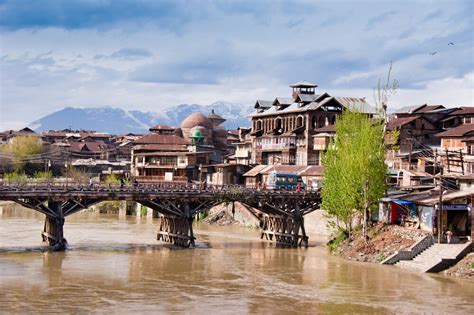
(463, 269)
(384, 240)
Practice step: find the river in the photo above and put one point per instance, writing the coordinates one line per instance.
(116, 265)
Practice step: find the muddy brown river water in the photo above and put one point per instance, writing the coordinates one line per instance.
(116, 265)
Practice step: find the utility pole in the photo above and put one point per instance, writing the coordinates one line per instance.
(440, 206)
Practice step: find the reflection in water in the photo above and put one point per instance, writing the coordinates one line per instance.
(118, 266)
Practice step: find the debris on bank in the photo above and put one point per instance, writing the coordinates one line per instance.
(384, 241)
(233, 214)
(463, 269)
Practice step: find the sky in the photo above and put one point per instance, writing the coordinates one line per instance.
(150, 55)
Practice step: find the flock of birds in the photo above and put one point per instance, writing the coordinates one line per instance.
(435, 52)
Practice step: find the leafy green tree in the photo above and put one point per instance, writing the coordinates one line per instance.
(24, 149)
(354, 170)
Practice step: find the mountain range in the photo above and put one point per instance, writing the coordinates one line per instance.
(117, 121)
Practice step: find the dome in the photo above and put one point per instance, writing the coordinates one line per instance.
(202, 130)
(196, 119)
(197, 134)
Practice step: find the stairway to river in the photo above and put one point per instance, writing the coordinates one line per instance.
(437, 257)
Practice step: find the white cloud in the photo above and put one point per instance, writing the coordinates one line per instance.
(244, 52)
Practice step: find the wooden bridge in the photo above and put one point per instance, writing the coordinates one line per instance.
(281, 212)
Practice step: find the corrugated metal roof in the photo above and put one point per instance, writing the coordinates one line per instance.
(255, 171)
(263, 104)
(283, 101)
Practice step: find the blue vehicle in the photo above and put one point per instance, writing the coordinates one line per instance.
(285, 181)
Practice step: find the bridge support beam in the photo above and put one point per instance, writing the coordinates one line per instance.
(176, 230)
(283, 222)
(53, 232)
(284, 230)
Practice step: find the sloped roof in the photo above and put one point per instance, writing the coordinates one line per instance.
(418, 109)
(463, 111)
(214, 116)
(283, 101)
(160, 147)
(312, 170)
(459, 131)
(399, 122)
(88, 146)
(263, 104)
(303, 83)
(255, 171)
(356, 103)
(429, 108)
(306, 98)
(161, 139)
(409, 109)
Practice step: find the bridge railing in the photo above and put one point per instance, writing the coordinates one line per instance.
(134, 188)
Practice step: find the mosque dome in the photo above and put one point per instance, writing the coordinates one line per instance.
(196, 119)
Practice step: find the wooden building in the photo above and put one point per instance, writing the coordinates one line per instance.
(283, 129)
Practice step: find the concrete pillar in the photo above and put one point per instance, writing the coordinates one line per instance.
(138, 210)
(149, 212)
(123, 210)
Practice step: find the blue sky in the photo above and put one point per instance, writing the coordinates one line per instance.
(149, 55)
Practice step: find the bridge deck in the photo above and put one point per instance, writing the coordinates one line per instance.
(7, 192)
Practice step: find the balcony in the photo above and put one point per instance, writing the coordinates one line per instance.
(244, 154)
(277, 146)
(160, 179)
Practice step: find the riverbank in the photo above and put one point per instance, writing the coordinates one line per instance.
(463, 269)
(384, 241)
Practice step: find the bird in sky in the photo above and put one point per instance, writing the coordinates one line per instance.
(433, 53)
(451, 43)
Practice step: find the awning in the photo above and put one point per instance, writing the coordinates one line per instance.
(402, 202)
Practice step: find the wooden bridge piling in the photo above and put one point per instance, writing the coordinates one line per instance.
(53, 232)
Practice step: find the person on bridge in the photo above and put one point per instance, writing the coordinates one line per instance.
(121, 183)
(91, 182)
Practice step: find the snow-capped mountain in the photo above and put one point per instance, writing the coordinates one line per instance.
(117, 120)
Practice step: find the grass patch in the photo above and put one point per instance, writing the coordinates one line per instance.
(335, 244)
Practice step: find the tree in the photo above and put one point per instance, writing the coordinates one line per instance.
(382, 95)
(354, 170)
(24, 149)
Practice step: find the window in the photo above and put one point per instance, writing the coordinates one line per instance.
(299, 121)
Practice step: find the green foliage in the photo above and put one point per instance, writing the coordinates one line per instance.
(108, 207)
(336, 242)
(15, 176)
(354, 169)
(44, 176)
(394, 139)
(22, 149)
(381, 257)
(143, 211)
(472, 265)
(112, 179)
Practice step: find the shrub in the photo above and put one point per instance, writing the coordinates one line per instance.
(44, 175)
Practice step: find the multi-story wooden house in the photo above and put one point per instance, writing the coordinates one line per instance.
(283, 129)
